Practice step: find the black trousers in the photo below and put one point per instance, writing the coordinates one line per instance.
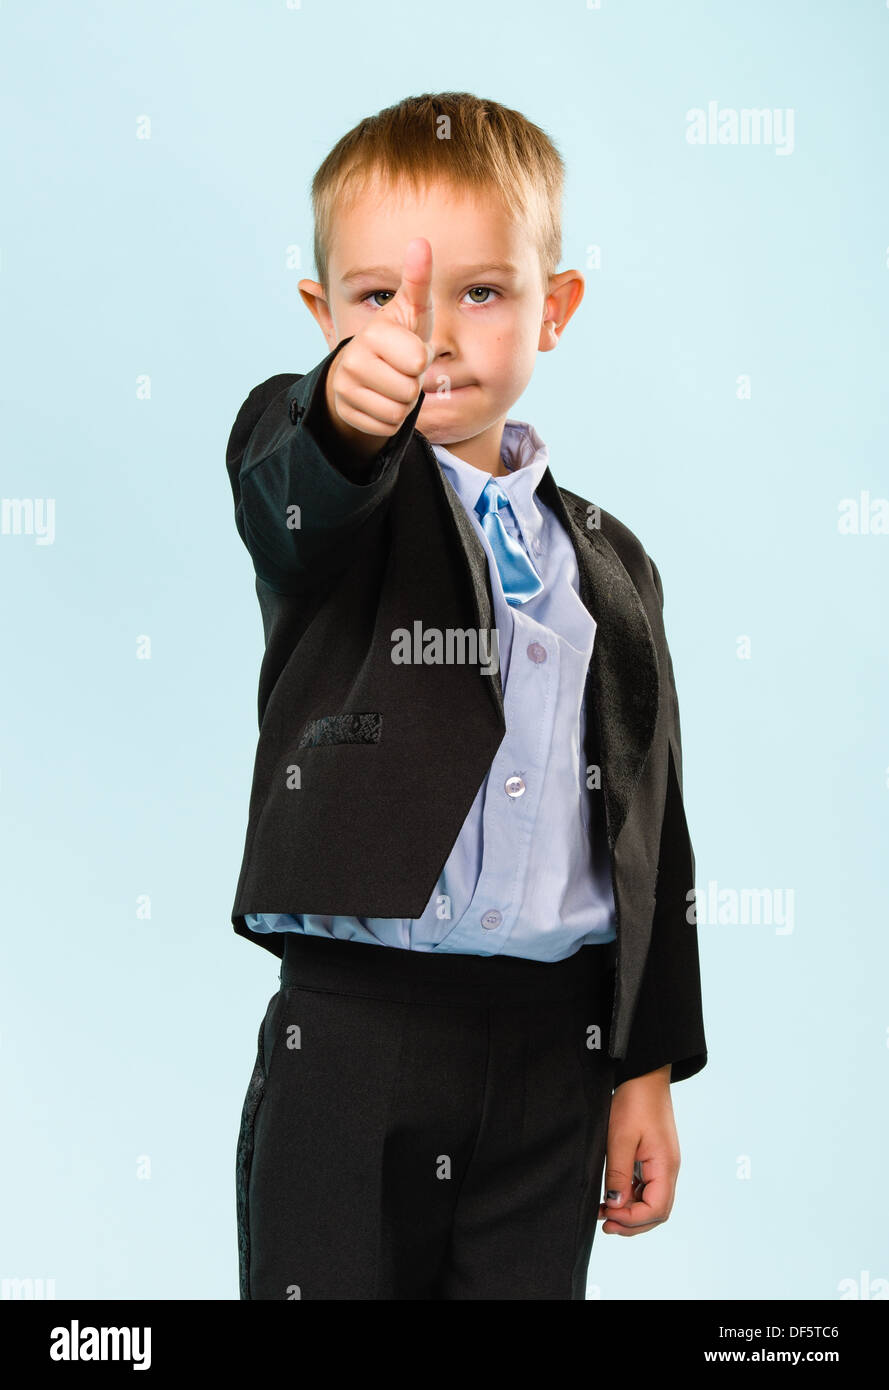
(422, 1126)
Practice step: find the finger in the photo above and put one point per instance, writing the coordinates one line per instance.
(649, 1205)
(635, 1213)
(359, 404)
(619, 1162)
(412, 303)
(614, 1228)
(393, 379)
(390, 344)
(636, 1189)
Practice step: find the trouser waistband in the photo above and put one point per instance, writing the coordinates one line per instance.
(358, 967)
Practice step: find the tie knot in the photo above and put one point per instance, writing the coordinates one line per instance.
(492, 497)
(518, 576)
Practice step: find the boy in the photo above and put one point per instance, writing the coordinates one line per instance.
(469, 756)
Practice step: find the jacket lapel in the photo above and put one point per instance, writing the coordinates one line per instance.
(477, 563)
(624, 668)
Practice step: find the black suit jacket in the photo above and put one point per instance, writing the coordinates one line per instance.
(365, 770)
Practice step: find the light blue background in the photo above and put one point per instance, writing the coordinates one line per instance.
(122, 1037)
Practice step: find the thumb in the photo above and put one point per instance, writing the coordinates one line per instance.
(412, 302)
(619, 1173)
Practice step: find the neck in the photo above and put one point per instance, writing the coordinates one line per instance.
(481, 451)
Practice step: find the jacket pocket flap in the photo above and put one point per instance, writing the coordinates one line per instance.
(341, 728)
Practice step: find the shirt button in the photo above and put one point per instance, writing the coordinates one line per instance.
(492, 919)
(536, 652)
(514, 786)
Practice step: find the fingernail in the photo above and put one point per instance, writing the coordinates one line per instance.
(611, 1196)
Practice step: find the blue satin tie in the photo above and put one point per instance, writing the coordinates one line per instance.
(519, 577)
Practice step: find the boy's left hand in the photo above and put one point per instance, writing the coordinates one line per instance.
(641, 1131)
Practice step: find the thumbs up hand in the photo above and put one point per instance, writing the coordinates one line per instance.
(374, 383)
(411, 306)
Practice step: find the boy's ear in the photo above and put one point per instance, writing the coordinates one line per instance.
(315, 300)
(565, 293)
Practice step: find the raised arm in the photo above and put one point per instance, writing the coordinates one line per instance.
(300, 492)
(311, 458)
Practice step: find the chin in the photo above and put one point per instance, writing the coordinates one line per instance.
(439, 434)
(435, 418)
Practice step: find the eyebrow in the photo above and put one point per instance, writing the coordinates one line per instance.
(386, 272)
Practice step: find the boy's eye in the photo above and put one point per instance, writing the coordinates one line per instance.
(485, 289)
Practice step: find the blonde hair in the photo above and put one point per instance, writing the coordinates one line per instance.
(460, 139)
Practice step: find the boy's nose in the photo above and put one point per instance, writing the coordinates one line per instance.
(443, 337)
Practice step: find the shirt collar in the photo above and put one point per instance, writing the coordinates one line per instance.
(525, 455)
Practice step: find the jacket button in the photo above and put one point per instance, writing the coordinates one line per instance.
(297, 411)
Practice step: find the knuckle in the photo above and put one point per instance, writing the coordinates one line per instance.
(393, 413)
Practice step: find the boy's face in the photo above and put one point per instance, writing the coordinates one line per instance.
(489, 322)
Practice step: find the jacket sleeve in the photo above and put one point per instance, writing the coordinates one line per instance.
(668, 1021)
(298, 501)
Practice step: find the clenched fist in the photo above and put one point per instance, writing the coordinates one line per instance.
(374, 383)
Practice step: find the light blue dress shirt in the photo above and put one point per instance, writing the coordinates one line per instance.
(522, 878)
